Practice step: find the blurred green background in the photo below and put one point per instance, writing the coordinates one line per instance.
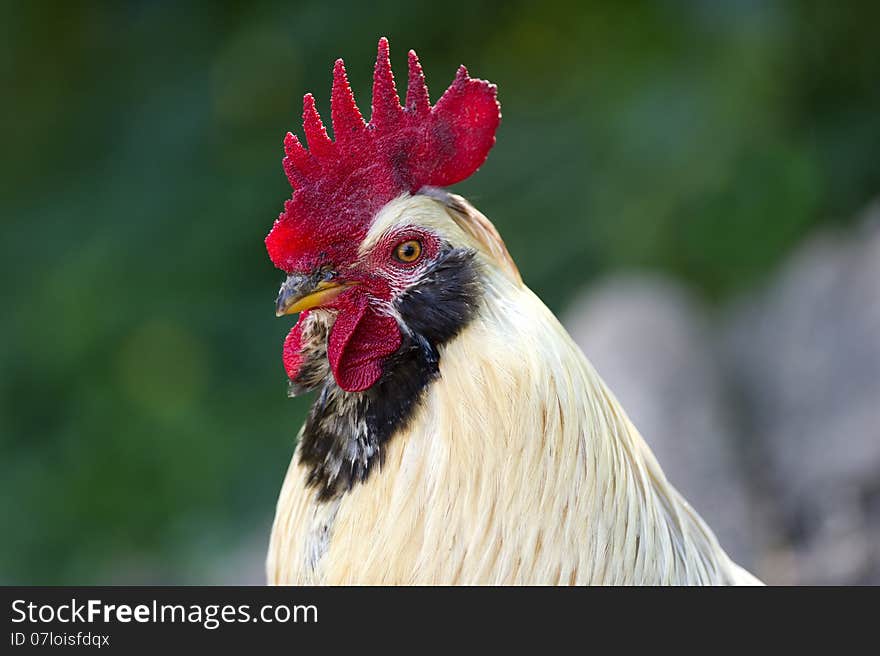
(144, 425)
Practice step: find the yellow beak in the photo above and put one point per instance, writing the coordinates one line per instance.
(294, 298)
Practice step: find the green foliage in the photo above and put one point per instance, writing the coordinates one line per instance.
(142, 403)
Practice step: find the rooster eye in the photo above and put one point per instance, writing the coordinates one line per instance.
(408, 251)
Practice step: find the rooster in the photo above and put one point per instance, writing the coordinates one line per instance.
(458, 435)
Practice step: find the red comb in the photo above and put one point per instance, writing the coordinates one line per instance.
(340, 185)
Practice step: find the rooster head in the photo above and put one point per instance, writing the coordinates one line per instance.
(363, 229)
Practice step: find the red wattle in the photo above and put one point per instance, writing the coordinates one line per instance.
(359, 341)
(292, 355)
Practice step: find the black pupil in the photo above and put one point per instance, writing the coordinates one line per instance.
(408, 251)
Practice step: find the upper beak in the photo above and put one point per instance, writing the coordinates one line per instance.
(303, 292)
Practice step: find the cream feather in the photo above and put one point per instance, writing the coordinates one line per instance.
(519, 467)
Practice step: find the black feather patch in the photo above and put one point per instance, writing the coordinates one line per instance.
(345, 432)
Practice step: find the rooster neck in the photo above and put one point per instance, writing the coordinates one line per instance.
(345, 432)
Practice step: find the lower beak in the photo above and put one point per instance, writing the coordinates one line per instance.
(299, 293)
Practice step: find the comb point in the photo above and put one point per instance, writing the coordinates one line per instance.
(417, 100)
(386, 107)
(344, 113)
(298, 163)
(316, 134)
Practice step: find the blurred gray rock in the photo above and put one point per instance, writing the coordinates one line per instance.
(806, 356)
(649, 340)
